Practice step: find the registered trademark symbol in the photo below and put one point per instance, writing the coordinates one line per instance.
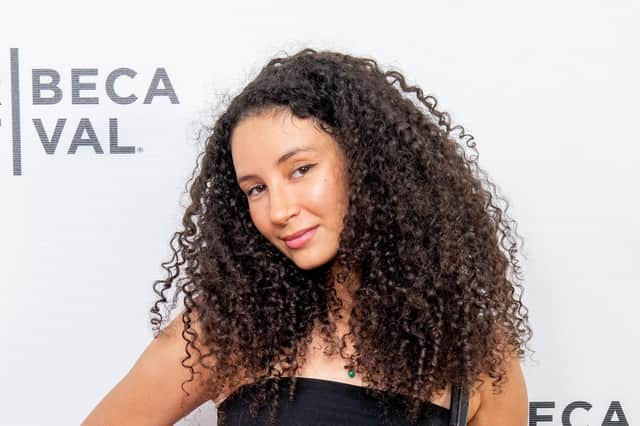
(139, 149)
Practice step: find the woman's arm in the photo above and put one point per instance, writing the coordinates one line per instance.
(508, 408)
(151, 393)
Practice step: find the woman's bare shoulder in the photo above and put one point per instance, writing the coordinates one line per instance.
(152, 391)
(509, 407)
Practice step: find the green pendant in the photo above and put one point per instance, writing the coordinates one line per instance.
(351, 373)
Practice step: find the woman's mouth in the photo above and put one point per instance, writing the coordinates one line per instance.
(301, 240)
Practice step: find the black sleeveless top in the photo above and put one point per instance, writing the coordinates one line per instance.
(328, 402)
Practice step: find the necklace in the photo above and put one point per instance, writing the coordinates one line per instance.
(351, 372)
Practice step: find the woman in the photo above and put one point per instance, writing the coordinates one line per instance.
(342, 263)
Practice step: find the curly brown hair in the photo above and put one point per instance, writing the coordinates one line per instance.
(435, 255)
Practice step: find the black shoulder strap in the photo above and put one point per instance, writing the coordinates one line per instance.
(459, 403)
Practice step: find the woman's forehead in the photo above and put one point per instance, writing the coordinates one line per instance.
(275, 138)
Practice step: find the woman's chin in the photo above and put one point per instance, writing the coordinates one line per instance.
(309, 261)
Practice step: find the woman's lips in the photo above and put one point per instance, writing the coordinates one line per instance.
(302, 239)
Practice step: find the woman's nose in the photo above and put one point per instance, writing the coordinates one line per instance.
(283, 205)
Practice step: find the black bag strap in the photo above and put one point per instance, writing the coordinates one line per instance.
(459, 404)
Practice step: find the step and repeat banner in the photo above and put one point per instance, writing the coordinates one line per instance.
(102, 111)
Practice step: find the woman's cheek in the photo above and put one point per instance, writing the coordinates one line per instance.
(320, 191)
(257, 216)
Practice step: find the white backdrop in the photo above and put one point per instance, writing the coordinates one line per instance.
(549, 90)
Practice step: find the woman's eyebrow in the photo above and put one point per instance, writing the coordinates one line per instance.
(292, 152)
(282, 159)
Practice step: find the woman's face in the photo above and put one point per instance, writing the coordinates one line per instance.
(293, 176)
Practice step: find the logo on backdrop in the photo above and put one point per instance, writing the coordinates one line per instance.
(45, 85)
(545, 413)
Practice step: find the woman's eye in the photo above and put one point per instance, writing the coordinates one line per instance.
(254, 187)
(304, 169)
(260, 188)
